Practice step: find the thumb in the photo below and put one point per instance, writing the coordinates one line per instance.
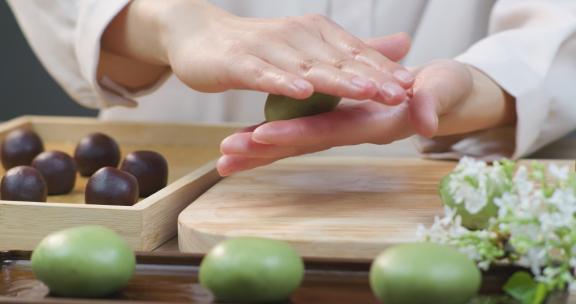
(441, 88)
(395, 46)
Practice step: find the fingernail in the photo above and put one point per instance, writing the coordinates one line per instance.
(431, 132)
(260, 136)
(390, 90)
(220, 166)
(301, 85)
(403, 76)
(361, 83)
(225, 145)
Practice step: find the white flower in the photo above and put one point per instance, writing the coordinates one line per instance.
(574, 251)
(484, 265)
(497, 174)
(573, 260)
(449, 215)
(564, 200)
(559, 172)
(469, 183)
(475, 203)
(421, 232)
(470, 166)
(521, 181)
(572, 287)
(536, 258)
(471, 252)
(550, 222)
(536, 215)
(507, 203)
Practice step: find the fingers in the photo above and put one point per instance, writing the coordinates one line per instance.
(423, 113)
(395, 46)
(310, 49)
(336, 36)
(249, 128)
(448, 80)
(389, 92)
(366, 122)
(325, 77)
(255, 155)
(253, 73)
(439, 88)
(228, 164)
(333, 72)
(242, 144)
(335, 62)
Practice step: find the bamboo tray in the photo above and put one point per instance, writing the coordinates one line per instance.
(189, 149)
(170, 278)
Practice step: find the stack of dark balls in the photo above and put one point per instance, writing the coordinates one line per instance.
(32, 173)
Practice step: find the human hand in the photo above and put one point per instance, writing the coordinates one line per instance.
(449, 98)
(211, 50)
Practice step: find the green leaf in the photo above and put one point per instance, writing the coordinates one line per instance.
(540, 294)
(522, 287)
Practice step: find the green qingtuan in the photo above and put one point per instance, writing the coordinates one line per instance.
(424, 273)
(86, 261)
(472, 190)
(251, 270)
(282, 108)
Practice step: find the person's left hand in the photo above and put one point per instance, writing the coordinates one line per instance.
(449, 98)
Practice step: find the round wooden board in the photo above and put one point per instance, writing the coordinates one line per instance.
(341, 207)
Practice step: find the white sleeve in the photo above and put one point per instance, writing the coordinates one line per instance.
(530, 53)
(65, 35)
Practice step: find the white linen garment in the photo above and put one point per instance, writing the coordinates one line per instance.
(528, 47)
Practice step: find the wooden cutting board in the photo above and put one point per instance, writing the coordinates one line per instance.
(346, 207)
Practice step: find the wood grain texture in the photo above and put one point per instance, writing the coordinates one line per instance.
(189, 150)
(336, 207)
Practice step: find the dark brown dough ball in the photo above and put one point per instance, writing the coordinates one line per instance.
(20, 147)
(110, 186)
(150, 169)
(23, 183)
(58, 170)
(95, 151)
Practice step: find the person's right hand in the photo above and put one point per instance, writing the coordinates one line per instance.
(213, 51)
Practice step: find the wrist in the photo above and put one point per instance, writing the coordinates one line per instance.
(181, 21)
(500, 106)
(146, 30)
(147, 39)
(135, 33)
(131, 55)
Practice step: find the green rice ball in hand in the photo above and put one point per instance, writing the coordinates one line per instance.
(282, 108)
